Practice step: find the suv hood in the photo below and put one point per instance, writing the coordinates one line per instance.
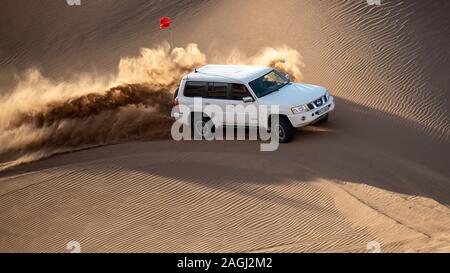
(294, 94)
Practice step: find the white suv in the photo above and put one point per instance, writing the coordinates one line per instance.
(231, 85)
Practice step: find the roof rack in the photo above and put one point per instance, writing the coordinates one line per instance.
(216, 75)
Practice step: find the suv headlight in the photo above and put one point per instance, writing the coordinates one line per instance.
(299, 109)
(327, 95)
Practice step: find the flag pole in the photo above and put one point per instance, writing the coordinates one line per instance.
(164, 23)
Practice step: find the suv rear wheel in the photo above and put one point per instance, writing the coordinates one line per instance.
(201, 128)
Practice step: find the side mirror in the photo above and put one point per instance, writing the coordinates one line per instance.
(247, 99)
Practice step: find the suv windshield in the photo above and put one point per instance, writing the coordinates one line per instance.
(268, 83)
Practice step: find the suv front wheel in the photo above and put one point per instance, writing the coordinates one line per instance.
(284, 130)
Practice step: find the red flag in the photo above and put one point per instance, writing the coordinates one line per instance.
(164, 22)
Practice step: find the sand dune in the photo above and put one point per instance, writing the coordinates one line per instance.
(378, 171)
(209, 197)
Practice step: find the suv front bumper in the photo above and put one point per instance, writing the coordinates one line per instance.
(303, 119)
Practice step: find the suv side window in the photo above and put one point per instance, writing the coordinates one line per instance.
(195, 89)
(239, 91)
(217, 90)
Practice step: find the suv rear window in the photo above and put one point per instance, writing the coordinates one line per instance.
(195, 89)
(217, 90)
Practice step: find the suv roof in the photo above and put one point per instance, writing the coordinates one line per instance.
(240, 73)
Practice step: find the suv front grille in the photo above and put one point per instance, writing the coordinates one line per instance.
(318, 103)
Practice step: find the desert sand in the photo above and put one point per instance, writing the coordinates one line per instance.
(86, 153)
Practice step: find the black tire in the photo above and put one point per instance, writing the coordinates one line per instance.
(198, 129)
(323, 119)
(285, 132)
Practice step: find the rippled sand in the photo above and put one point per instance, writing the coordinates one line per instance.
(377, 171)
